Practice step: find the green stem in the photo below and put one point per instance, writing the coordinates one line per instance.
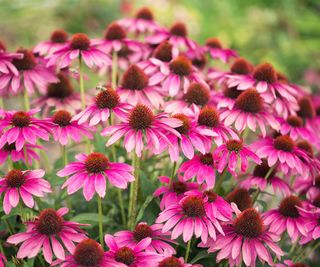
(26, 100)
(255, 196)
(173, 172)
(10, 229)
(100, 221)
(220, 180)
(64, 155)
(134, 198)
(114, 69)
(83, 101)
(123, 214)
(186, 257)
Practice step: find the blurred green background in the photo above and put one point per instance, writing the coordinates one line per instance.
(283, 32)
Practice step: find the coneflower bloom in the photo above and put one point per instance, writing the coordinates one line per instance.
(142, 23)
(139, 125)
(227, 155)
(24, 184)
(27, 154)
(90, 173)
(159, 240)
(64, 128)
(226, 98)
(288, 217)
(79, 46)
(57, 39)
(6, 58)
(312, 225)
(105, 102)
(136, 89)
(200, 166)
(21, 127)
(282, 151)
(174, 191)
(260, 180)
(215, 49)
(241, 197)
(246, 239)
(87, 253)
(3, 260)
(309, 186)
(308, 113)
(190, 216)
(31, 75)
(47, 232)
(59, 95)
(124, 256)
(249, 111)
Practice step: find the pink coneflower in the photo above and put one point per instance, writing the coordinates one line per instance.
(79, 46)
(241, 197)
(283, 151)
(312, 225)
(142, 23)
(91, 172)
(135, 88)
(288, 217)
(24, 184)
(47, 232)
(173, 192)
(3, 260)
(215, 49)
(228, 154)
(249, 111)
(308, 113)
(246, 239)
(57, 40)
(262, 176)
(192, 138)
(190, 216)
(139, 125)
(309, 186)
(172, 261)
(63, 128)
(59, 95)
(31, 75)
(209, 118)
(6, 58)
(200, 166)
(159, 240)
(27, 154)
(121, 256)
(105, 102)
(226, 98)
(21, 127)
(87, 253)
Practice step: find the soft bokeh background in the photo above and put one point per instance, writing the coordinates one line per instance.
(284, 32)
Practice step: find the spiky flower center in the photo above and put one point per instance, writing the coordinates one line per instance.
(179, 29)
(96, 162)
(250, 101)
(231, 92)
(265, 72)
(115, 32)
(170, 262)
(142, 231)
(193, 206)
(263, 169)
(306, 108)
(207, 159)
(288, 207)
(80, 41)
(241, 197)
(234, 145)
(88, 253)
(59, 37)
(62, 118)
(306, 147)
(209, 117)
(249, 223)
(199, 61)
(282, 78)
(179, 187)
(186, 123)
(108, 98)
(284, 143)
(163, 52)
(60, 90)
(214, 43)
(9, 147)
(28, 62)
(212, 196)
(49, 222)
(181, 66)
(125, 255)
(15, 178)
(197, 94)
(140, 117)
(21, 119)
(145, 13)
(135, 78)
(295, 121)
(241, 66)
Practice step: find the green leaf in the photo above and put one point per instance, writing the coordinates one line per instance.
(143, 208)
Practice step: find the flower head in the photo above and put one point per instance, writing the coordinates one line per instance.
(215, 49)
